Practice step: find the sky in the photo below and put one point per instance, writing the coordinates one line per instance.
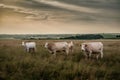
(59, 16)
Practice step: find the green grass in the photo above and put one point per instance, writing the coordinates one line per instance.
(16, 64)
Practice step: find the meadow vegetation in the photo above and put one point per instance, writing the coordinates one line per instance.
(16, 64)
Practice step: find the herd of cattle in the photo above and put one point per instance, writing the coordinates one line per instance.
(88, 48)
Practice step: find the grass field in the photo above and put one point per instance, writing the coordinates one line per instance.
(16, 64)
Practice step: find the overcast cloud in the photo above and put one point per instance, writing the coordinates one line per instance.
(59, 16)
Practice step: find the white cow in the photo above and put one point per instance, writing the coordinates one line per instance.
(92, 48)
(29, 46)
(57, 46)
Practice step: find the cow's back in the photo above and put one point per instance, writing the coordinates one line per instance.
(95, 46)
(61, 45)
(30, 44)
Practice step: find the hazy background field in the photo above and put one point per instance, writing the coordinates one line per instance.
(61, 36)
(16, 64)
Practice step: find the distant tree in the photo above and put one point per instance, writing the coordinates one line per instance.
(117, 36)
(87, 36)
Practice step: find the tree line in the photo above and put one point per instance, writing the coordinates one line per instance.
(91, 36)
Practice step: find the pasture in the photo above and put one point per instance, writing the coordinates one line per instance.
(16, 64)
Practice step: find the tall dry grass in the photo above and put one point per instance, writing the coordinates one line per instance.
(16, 64)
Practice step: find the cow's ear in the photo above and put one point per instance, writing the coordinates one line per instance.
(86, 45)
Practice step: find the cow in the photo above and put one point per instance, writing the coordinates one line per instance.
(57, 46)
(90, 48)
(29, 46)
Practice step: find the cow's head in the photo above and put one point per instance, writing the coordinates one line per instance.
(23, 43)
(83, 46)
(46, 45)
(70, 44)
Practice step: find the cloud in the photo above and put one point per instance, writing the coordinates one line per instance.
(68, 6)
(58, 20)
(32, 14)
(18, 9)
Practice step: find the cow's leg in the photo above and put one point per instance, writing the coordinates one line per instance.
(31, 50)
(35, 49)
(85, 54)
(67, 51)
(101, 54)
(54, 52)
(97, 56)
(27, 49)
(90, 53)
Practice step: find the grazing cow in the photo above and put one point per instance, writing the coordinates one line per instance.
(57, 46)
(29, 46)
(92, 48)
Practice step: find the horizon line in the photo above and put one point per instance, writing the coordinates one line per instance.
(55, 34)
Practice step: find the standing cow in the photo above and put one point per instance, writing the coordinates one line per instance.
(57, 46)
(92, 48)
(29, 46)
